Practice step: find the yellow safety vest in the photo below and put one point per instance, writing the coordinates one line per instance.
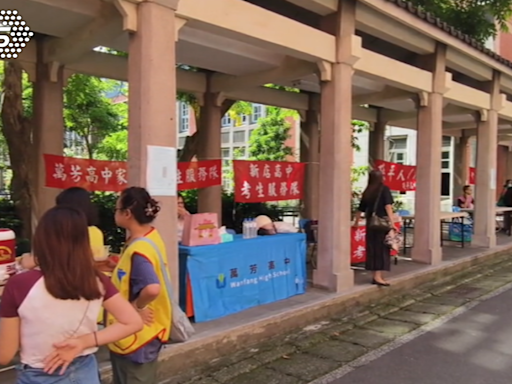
(161, 306)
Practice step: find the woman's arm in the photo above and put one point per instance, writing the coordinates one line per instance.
(27, 261)
(10, 336)
(389, 212)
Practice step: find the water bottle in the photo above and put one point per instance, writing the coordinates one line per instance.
(254, 226)
(251, 228)
(245, 228)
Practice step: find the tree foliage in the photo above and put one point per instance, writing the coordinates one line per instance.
(480, 19)
(268, 141)
(89, 113)
(114, 147)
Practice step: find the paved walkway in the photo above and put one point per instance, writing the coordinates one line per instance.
(477, 344)
(472, 348)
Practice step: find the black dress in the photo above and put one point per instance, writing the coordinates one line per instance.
(378, 256)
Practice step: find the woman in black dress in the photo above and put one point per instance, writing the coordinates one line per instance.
(376, 196)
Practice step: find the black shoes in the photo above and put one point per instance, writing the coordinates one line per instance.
(374, 282)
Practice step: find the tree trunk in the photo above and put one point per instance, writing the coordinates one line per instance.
(17, 130)
(191, 146)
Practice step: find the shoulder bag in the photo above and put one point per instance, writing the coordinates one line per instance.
(378, 223)
(181, 328)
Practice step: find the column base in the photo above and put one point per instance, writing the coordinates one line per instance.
(334, 282)
(484, 240)
(431, 256)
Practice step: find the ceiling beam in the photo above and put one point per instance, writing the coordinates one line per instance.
(320, 7)
(449, 110)
(386, 95)
(290, 69)
(107, 24)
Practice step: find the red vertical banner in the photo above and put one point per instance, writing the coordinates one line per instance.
(358, 245)
(472, 176)
(94, 175)
(199, 174)
(398, 177)
(260, 181)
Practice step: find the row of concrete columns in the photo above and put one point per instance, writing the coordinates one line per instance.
(152, 80)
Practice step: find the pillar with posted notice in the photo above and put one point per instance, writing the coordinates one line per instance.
(333, 265)
(427, 212)
(486, 164)
(152, 106)
(461, 165)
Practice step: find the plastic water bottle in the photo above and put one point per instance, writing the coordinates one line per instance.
(251, 230)
(254, 227)
(245, 228)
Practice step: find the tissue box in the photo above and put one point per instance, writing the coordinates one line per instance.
(226, 238)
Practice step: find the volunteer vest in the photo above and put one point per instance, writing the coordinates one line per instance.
(161, 306)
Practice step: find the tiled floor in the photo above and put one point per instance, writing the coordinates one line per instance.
(451, 252)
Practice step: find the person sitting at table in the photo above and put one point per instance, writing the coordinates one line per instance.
(467, 200)
(81, 199)
(266, 226)
(182, 213)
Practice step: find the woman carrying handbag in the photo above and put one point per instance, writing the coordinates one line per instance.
(377, 205)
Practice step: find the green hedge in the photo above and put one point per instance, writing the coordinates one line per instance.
(232, 216)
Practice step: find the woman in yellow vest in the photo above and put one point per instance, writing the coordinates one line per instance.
(139, 278)
(81, 199)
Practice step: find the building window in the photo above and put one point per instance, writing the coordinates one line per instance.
(257, 113)
(226, 156)
(446, 153)
(184, 118)
(226, 121)
(398, 150)
(239, 137)
(224, 137)
(245, 119)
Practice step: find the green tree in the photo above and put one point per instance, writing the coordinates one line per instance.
(114, 147)
(268, 141)
(89, 113)
(480, 19)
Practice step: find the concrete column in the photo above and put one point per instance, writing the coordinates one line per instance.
(49, 125)
(310, 154)
(333, 271)
(486, 164)
(427, 247)
(461, 165)
(152, 108)
(210, 199)
(377, 137)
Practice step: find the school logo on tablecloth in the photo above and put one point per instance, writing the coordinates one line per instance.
(221, 281)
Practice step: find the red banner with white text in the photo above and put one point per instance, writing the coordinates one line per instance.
(111, 176)
(472, 176)
(260, 181)
(94, 175)
(398, 177)
(199, 174)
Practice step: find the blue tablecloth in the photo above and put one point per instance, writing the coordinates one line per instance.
(230, 277)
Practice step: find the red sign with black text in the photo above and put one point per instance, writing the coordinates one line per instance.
(94, 175)
(358, 245)
(472, 176)
(199, 174)
(111, 176)
(398, 177)
(260, 181)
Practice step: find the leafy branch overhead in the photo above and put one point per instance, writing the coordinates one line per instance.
(480, 19)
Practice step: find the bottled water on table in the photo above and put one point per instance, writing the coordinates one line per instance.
(245, 229)
(253, 228)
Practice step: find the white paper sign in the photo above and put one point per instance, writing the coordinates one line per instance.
(493, 179)
(161, 171)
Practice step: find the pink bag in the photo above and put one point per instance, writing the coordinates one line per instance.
(200, 229)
